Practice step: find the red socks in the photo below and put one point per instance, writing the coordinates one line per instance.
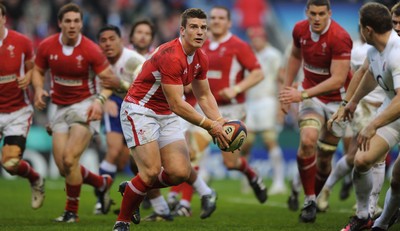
(26, 171)
(307, 169)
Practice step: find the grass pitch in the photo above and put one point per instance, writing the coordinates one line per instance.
(235, 211)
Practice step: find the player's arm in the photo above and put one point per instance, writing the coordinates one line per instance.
(96, 109)
(38, 86)
(206, 100)
(111, 81)
(24, 81)
(174, 96)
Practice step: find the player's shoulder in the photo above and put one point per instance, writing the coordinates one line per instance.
(15, 35)
(85, 41)
(338, 31)
(302, 25)
(132, 54)
(50, 39)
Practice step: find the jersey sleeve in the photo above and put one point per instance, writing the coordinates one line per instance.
(41, 56)
(341, 46)
(97, 59)
(28, 49)
(246, 57)
(395, 67)
(296, 35)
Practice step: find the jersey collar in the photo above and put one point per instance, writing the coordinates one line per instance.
(77, 42)
(315, 36)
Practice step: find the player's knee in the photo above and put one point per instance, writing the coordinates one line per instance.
(11, 156)
(361, 164)
(67, 163)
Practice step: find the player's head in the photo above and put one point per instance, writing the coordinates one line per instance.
(395, 11)
(110, 42)
(142, 35)
(3, 13)
(70, 21)
(193, 29)
(319, 14)
(375, 19)
(220, 21)
(258, 37)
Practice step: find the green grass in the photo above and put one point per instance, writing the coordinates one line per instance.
(235, 211)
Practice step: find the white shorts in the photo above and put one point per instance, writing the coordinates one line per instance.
(261, 114)
(363, 115)
(16, 123)
(314, 105)
(233, 111)
(66, 116)
(141, 125)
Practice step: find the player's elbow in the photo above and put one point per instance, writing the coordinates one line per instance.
(258, 75)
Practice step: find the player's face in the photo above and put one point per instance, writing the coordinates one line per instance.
(2, 20)
(318, 17)
(71, 25)
(195, 32)
(396, 23)
(110, 43)
(141, 37)
(219, 22)
(258, 42)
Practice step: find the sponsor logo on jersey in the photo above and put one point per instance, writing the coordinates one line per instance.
(316, 70)
(67, 82)
(211, 74)
(53, 57)
(7, 78)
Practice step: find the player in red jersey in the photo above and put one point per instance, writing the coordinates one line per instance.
(324, 48)
(16, 111)
(229, 58)
(73, 61)
(151, 108)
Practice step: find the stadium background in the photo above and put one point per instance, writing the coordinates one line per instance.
(37, 19)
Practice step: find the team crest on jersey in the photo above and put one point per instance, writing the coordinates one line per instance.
(11, 48)
(197, 66)
(222, 51)
(53, 57)
(303, 41)
(79, 58)
(323, 47)
(185, 71)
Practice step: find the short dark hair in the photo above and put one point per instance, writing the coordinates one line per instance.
(376, 16)
(192, 13)
(68, 8)
(146, 22)
(228, 12)
(326, 3)
(3, 9)
(109, 27)
(396, 9)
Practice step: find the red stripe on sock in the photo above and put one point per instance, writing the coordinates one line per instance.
(73, 193)
(25, 170)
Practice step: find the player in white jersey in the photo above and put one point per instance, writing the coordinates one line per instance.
(365, 112)
(262, 104)
(383, 132)
(126, 64)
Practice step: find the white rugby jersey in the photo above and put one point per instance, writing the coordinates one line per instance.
(385, 67)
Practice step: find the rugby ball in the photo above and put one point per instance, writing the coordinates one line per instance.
(237, 132)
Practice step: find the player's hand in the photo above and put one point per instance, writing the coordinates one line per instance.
(111, 108)
(218, 134)
(40, 99)
(110, 82)
(365, 136)
(289, 95)
(285, 107)
(227, 93)
(24, 81)
(349, 111)
(95, 111)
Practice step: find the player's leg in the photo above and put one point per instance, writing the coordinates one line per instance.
(310, 125)
(270, 139)
(391, 211)
(378, 178)
(362, 177)
(14, 127)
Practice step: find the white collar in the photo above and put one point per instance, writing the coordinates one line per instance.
(76, 44)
